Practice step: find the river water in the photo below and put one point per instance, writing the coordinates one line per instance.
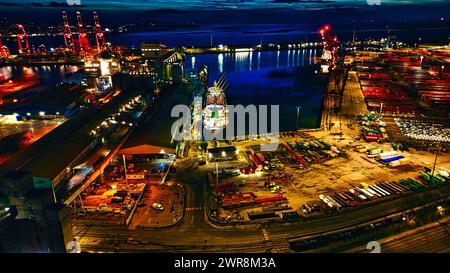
(286, 78)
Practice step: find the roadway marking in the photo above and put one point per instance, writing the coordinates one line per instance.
(266, 234)
(194, 209)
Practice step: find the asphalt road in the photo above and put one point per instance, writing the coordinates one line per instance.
(431, 238)
(194, 233)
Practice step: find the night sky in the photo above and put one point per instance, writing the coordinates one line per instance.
(236, 11)
(220, 4)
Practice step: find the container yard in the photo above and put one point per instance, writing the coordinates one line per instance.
(404, 81)
(310, 176)
(373, 128)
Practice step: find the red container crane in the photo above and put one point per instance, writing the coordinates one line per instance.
(22, 37)
(330, 43)
(82, 37)
(68, 36)
(4, 50)
(99, 36)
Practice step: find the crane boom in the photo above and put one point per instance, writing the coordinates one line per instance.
(99, 36)
(68, 37)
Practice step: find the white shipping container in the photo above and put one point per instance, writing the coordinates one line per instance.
(388, 154)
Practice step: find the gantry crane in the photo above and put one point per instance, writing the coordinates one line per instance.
(22, 38)
(4, 50)
(67, 32)
(83, 42)
(99, 36)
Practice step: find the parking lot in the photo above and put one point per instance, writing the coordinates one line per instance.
(136, 195)
(423, 130)
(110, 201)
(160, 206)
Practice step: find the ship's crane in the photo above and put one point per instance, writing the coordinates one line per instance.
(4, 50)
(99, 36)
(68, 36)
(22, 38)
(82, 37)
(330, 46)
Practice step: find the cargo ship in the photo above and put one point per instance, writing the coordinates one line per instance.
(215, 113)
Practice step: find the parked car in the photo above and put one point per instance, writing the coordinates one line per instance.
(158, 206)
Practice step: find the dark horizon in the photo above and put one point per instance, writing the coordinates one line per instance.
(334, 13)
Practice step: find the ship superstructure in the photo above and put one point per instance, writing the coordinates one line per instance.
(215, 111)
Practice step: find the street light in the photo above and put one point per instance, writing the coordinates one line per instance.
(217, 183)
(125, 170)
(435, 161)
(298, 119)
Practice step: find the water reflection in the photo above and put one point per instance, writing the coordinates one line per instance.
(259, 60)
(288, 56)
(219, 62)
(47, 75)
(271, 79)
(315, 56)
(303, 57)
(241, 59)
(244, 61)
(310, 56)
(278, 59)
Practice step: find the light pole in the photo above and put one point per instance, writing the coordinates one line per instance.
(125, 170)
(217, 184)
(434, 165)
(298, 119)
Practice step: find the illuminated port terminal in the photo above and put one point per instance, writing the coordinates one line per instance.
(215, 112)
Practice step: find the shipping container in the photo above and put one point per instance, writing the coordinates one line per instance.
(261, 215)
